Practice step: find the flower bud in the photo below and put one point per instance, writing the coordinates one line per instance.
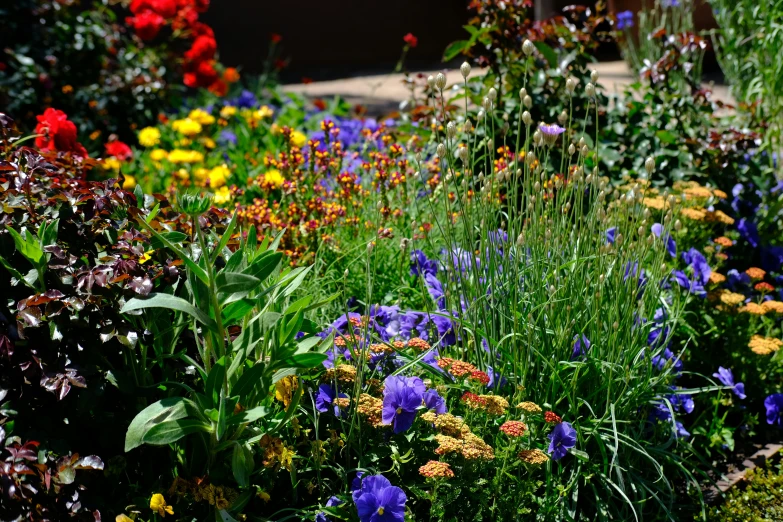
(464, 69)
(585, 150)
(571, 149)
(468, 126)
(677, 225)
(431, 81)
(527, 101)
(441, 150)
(492, 94)
(487, 104)
(570, 85)
(527, 47)
(451, 129)
(522, 92)
(562, 118)
(418, 157)
(481, 114)
(590, 90)
(440, 81)
(527, 119)
(594, 76)
(649, 165)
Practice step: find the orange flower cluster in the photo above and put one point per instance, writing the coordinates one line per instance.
(513, 428)
(436, 469)
(456, 368)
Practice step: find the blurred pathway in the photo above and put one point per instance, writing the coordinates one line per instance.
(383, 93)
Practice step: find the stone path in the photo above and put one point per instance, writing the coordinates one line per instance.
(383, 93)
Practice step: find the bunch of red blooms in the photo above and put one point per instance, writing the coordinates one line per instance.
(150, 16)
(57, 133)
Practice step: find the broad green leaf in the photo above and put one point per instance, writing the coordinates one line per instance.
(248, 416)
(192, 265)
(304, 360)
(171, 408)
(156, 300)
(18, 275)
(233, 282)
(248, 381)
(548, 52)
(666, 136)
(242, 464)
(174, 237)
(27, 245)
(215, 381)
(454, 49)
(225, 238)
(263, 266)
(237, 310)
(173, 430)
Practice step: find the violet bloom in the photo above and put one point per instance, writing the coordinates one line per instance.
(227, 138)
(435, 289)
(624, 20)
(324, 400)
(402, 397)
(774, 406)
(379, 501)
(321, 516)
(550, 132)
(496, 380)
(581, 346)
(671, 245)
(660, 361)
(356, 483)
(725, 376)
(433, 401)
(610, 235)
(749, 231)
(681, 401)
(420, 264)
(562, 439)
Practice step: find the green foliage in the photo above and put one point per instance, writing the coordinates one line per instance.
(759, 498)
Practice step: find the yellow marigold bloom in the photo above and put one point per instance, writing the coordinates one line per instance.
(94, 135)
(436, 469)
(764, 345)
(158, 505)
(285, 388)
(129, 183)
(146, 256)
(755, 273)
(717, 278)
(111, 163)
(222, 196)
(201, 116)
(208, 142)
(732, 298)
(228, 111)
(158, 155)
(186, 127)
(67, 89)
(185, 156)
(694, 213)
(536, 457)
(773, 306)
(298, 139)
(723, 241)
(200, 174)
(218, 176)
(529, 407)
(274, 178)
(149, 136)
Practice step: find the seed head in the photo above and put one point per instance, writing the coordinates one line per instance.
(594, 76)
(590, 90)
(440, 81)
(527, 119)
(527, 47)
(451, 129)
(492, 94)
(431, 81)
(464, 69)
(527, 101)
(649, 165)
(570, 85)
(441, 149)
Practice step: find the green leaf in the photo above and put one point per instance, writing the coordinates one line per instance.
(156, 300)
(171, 408)
(304, 360)
(548, 52)
(18, 275)
(232, 282)
(237, 309)
(248, 416)
(225, 238)
(192, 265)
(174, 237)
(27, 245)
(215, 381)
(242, 464)
(48, 233)
(666, 137)
(251, 378)
(454, 49)
(173, 430)
(263, 266)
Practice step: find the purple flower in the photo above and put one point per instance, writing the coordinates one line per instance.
(774, 406)
(414, 324)
(550, 132)
(697, 261)
(681, 401)
(421, 265)
(246, 100)
(496, 380)
(356, 483)
(379, 501)
(659, 361)
(749, 231)
(445, 327)
(610, 235)
(329, 361)
(680, 431)
(624, 20)
(562, 439)
(435, 289)
(320, 516)
(581, 346)
(671, 245)
(402, 397)
(670, 3)
(227, 138)
(324, 400)
(433, 401)
(725, 376)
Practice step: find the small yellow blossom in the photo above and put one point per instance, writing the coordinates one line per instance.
(201, 116)
(274, 178)
(228, 111)
(263, 495)
(158, 504)
(773, 306)
(764, 345)
(185, 156)
(111, 163)
(149, 137)
(122, 518)
(263, 113)
(186, 127)
(208, 142)
(146, 257)
(129, 183)
(218, 176)
(222, 196)
(159, 155)
(285, 388)
(183, 174)
(298, 139)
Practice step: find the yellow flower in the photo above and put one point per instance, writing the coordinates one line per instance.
(146, 257)
(111, 163)
(201, 174)
(228, 111)
(263, 113)
(274, 178)
(201, 116)
(149, 136)
(186, 127)
(122, 518)
(218, 176)
(285, 388)
(286, 457)
(183, 173)
(159, 155)
(208, 142)
(185, 156)
(129, 183)
(158, 504)
(263, 495)
(298, 139)
(222, 195)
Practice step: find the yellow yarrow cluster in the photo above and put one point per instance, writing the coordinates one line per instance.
(764, 345)
(535, 457)
(436, 469)
(186, 127)
(470, 446)
(773, 306)
(753, 308)
(341, 372)
(185, 156)
(371, 408)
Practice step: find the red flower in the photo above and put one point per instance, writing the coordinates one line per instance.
(187, 18)
(147, 24)
(58, 133)
(764, 287)
(230, 75)
(319, 104)
(203, 48)
(201, 29)
(480, 376)
(275, 38)
(219, 88)
(119, 150)
(200, 5)
(552, 417)
(139, 6)
(411, 40)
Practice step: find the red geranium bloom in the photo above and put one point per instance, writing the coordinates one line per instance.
(203, 48)
(411, 40)
(230, 75)
(201, 29)
(147, 24)
(201, 5)
(58, 133)
(187, 18)
(276, 38)
(219, 88)
(119, 150)
(139, 6)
